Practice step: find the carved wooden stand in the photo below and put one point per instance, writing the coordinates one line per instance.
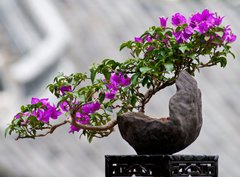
(162, 166)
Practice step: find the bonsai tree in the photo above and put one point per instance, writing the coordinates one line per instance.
(89, 102)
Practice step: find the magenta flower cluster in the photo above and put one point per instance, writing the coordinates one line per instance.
(46, 111)
(82, 116)
(228, 35)
(197, 23)
(117, 80)
(43, 113)
(83, 113)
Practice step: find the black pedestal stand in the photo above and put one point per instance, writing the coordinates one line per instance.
(162, 166)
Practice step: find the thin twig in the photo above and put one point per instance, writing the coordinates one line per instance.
(148, 95)
(51, 130)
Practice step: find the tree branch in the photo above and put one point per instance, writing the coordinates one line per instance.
(148, 95)
(51, 130)
(108, 126)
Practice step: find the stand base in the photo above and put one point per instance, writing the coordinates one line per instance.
(161, 166)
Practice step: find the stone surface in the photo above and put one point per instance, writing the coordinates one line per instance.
(166, 135)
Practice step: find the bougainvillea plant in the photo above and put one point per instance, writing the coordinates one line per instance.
(89, 102)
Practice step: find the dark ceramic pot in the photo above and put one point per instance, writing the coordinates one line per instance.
(166, 135)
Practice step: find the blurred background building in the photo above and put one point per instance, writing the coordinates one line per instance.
(39, 39)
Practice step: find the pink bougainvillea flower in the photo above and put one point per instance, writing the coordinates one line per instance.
(228, 36)
(202, 28)
(188, 31)
(178, 19)
(46, 112)
(148, 38)
(80, 118)
(138, 39)
(118, 79)
(149, 49)
(232, 38)
(179, 36)
(90, 108)
(195, 20)
(207, 15)
(17, 116)
(113, 86)
(207, 18)
(115, 78)
(87, 109)
(54, 112)
(125, 80)
(64, 89)
(218, 21)
(202, 22)
(110, 95)
(183, 36)
(35, 100)
(39, 114)
(73, 129)
(96, 106)
(64, 106)
(163, 21)
(44, 101)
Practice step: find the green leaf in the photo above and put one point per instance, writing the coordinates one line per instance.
(90, 138)
(15, 121)
(169, 67)
(178, 28)
(220, 33)
(101, 97)
(106, 73)
(51, 88)
(206, 38)
(223, 61)
(149, 85)
(122, 46)
(144, 69)
(134, 79)
(192, 56)
(125, 44)
(17, 128)
(23, 108)
(32, 119)
(24, 118)
(232, 54)
(7, 130)
(134, 100)
(137, 51)
(93, 72)
(168, 33)
(113, 64)
(183, 48)
(145, 81)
